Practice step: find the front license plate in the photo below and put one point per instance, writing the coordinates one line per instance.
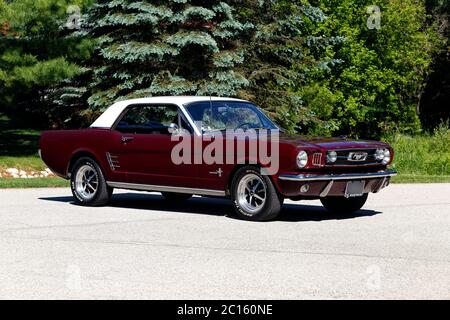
(354, 189)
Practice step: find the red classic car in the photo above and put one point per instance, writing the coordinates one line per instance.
(137, 145)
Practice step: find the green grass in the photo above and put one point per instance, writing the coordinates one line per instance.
(424, 158)
(33, 183)
(28, 163)
(18, 149)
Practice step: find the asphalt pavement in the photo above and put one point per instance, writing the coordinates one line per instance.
(143, 247)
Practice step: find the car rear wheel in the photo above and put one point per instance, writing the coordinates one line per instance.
(254, 196)
(88, 184)
(342, 205)
(176, 196)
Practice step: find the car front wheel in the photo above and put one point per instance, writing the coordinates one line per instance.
(342, 205)
(88, 184)
(254, 196)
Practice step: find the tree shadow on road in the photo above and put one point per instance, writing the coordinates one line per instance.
(218, 207)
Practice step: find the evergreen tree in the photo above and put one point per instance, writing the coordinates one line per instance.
(284, 52)
(37, 52)
(164, 47)
(261, 50)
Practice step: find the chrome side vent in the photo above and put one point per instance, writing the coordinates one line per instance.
(113, 161)
(317, 159)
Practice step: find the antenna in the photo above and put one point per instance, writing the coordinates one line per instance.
(210, 104)
(210, 101)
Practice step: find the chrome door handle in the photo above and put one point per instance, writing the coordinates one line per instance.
(125, 140)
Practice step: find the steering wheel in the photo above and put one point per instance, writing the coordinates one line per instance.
(249, 125)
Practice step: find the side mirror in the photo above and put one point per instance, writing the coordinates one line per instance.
(173, 128)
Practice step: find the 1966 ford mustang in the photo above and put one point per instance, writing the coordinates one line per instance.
(133, 145)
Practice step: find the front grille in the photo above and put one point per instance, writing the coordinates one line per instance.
(355, 157)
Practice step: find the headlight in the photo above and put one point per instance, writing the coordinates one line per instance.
(383, 155)
(302, 159)
(379, 154)
(387, 156)
(332, 156)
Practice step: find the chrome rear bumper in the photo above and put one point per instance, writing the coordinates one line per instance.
(336, 177)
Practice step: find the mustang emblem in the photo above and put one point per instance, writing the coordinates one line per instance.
(357, 156)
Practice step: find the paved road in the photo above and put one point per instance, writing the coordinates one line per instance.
(143, 247)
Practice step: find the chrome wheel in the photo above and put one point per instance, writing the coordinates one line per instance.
(251, 193)
(86, 182)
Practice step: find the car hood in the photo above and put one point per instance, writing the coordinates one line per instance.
(325, 143)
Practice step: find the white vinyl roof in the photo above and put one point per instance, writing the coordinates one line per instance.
(109, 117)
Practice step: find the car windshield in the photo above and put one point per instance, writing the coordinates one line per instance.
(234, 115)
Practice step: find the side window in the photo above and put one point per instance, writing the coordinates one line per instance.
(148, 119)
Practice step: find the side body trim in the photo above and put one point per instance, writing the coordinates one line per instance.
(148, 187)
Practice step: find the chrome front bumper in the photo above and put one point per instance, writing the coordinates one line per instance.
(336, 177)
